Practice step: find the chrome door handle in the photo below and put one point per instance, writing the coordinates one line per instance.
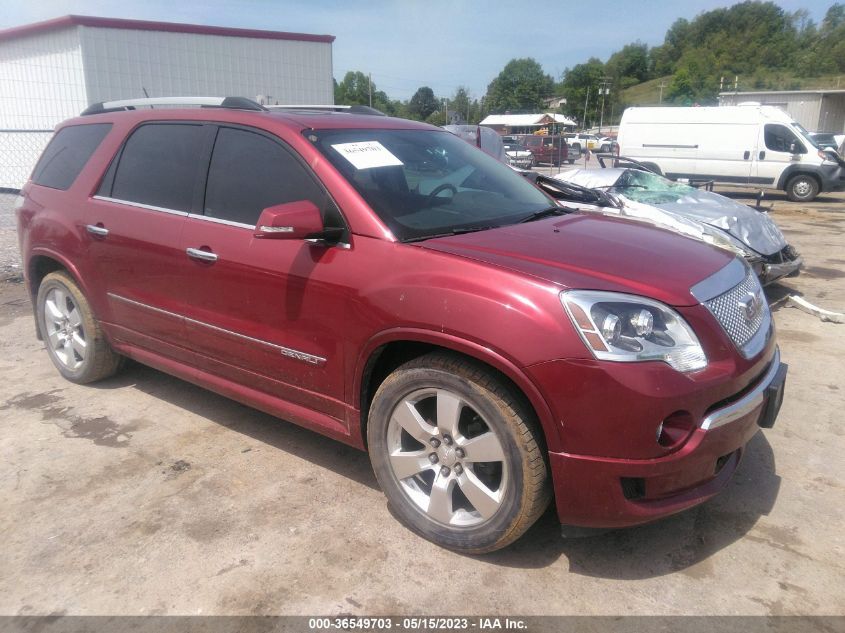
(206, 256)
(100, 231)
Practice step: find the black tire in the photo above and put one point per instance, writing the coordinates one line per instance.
(571, 161)
(605, 149)
(99, 360)
(802, 188)
(487, 400)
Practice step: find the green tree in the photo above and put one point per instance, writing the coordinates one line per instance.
(460, 103)
(355, 90)
(579, 82)
(522, 85)
(422, 104)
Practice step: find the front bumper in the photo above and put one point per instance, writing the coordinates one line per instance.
(785, 263)
(602, 492)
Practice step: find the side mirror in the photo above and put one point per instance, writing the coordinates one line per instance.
(792, 148)
(290, 221)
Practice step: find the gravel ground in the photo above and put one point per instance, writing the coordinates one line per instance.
(10, 256)
(144, 494)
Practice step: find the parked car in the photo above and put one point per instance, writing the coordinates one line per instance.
(551, 150)
(704, 215)
(740, 145)
(827, 140)
(518, 155)
(584, 141)
(484, 138)
(387, 284)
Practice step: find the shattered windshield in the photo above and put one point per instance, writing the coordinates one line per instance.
(424, 183)
(649, 188)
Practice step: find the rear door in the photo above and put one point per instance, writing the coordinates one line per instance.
(135, 222)
(777, 148)
(265, 312)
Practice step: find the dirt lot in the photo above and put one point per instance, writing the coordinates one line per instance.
(145, 495)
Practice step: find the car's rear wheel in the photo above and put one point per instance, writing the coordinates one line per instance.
(458, 455)
(74, 340)
(802, 188)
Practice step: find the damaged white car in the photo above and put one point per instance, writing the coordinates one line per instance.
(642, 195)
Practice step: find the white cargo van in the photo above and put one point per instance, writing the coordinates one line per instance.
(750, 144)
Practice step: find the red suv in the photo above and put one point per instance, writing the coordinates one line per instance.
(386, 284)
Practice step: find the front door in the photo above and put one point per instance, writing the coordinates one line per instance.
(265, 312)
(778, 147)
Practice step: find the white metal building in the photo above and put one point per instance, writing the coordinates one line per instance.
(816, 110)
(51, 71)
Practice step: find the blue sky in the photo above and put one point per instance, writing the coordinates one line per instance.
(406, 44)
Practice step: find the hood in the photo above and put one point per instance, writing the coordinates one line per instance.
(751, 227)
(594, 252)
(684, 207)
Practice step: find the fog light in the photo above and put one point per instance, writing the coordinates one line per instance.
(675, 429)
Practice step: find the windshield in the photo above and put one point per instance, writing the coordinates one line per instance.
(423, 183)
(649, 188)
(805, 134)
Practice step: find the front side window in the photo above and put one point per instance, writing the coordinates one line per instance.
(780, 138)
(158, 166)
(423, 183)
(249, 173)
(67, 154)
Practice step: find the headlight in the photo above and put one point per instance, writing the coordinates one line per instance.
(720, 238)
(628, 328)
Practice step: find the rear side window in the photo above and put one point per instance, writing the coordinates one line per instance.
(67, 154)
(158, 166)
(250, 172)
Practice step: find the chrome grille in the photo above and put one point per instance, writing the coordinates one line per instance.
(730, 310)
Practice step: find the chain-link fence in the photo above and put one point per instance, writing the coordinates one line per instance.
(19, 151)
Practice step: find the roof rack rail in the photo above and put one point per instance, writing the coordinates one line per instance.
(351, 109)
(236, 103)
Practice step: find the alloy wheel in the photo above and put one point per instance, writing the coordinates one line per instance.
(446, 458)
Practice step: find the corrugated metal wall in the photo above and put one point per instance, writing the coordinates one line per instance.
(816, 112)
(120, 63)
(41, 84)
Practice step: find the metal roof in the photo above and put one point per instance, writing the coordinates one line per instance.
(146, 25)
(526, 120)
(784, 92)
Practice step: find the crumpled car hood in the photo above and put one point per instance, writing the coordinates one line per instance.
(683, 212)
(595, 252)
(753, 228)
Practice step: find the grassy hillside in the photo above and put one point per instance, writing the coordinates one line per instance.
(648, 92)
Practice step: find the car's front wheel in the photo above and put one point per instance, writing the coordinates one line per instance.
(74, 340)
(457, 453)
(802, 188)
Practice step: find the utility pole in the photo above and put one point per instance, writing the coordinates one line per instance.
(661, 85)
(604, 89)
(370, 87)
(586, 102)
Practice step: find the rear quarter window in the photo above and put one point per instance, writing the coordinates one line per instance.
(67, 153)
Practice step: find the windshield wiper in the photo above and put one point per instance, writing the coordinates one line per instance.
(544, 213)
(458, 231)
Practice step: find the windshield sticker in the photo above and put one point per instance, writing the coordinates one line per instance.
(367, 154)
